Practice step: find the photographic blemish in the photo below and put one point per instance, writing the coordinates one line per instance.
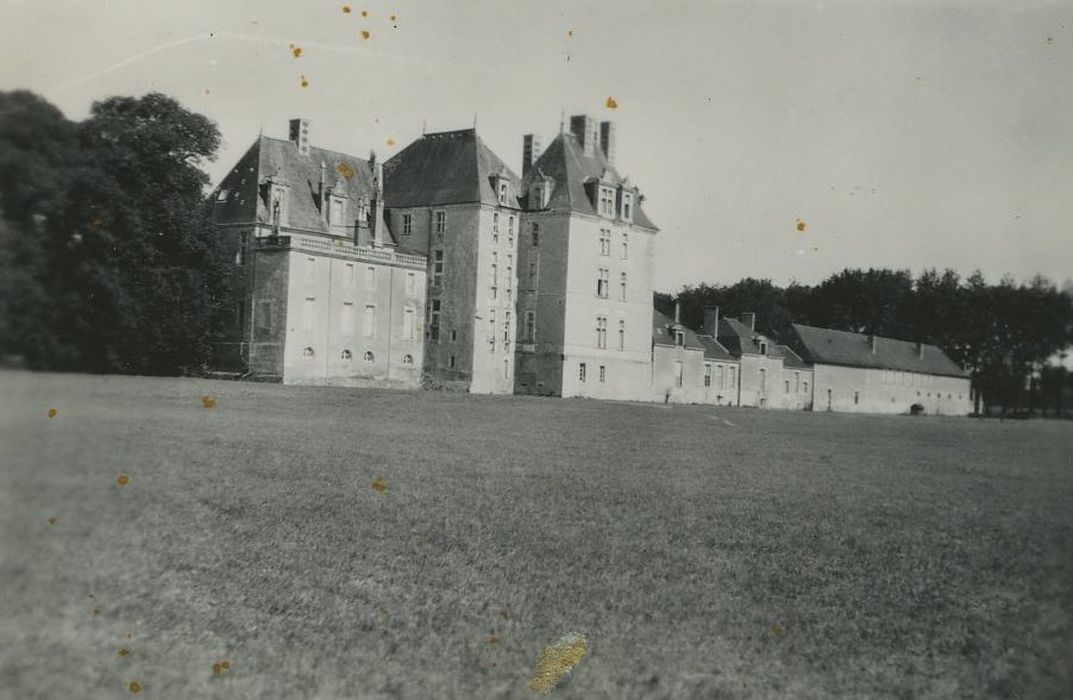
(96, 611)
(304, 83)
(217, 669)
(555, 661)
(801, 225)
(225, 665)
(379, 485)
(777, 630)
(364, 13)
(392, 18)
(611, 103)
(124, 652)
(52, 413)
(390, 142)
(364, 33)
(504, 614)
(123, 480)
(346, 9)
(492, 639)
(345, 171)
(570, 32)
(210, 401)
(52, 520)
(134, 687)
(297, 51)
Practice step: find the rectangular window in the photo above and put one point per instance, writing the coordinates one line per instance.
(495, 227)
(348, 275)
(437, 268)
(605, 242)
(370, 278)
(581, 372)
(510, 229)
(622, 286)
(240, 254)
(627, 200)
(279, 206)
(603, 374)
(536, 235)
(733, 377)
(335, 211)
(346, 319)
(601, 332)
(602, 283)
(495, 277)
(369, 326)
(805, 385)
(787, 388)
(492, 330)
(530, 327)
(502, 193)
(797, 382)
(763, 380)
(532, 276)
(309, 315)
(434, 320)
(451, 362)
(506, 329)
(721, 372)
(625, 245)
(678, 373)
(408, 323)
(407, 224)
(411, 283)
(311, 269)
(441, 223)
(621, 334)
(707, 375)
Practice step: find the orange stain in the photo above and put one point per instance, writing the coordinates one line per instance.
(504, 614)
(345, 170)
(52, 520)
(225, 665)
(52, 413)
(364, 33)
(304, 83)
(210, 401)
(346, 9)
(364, 13)
(96, 611)
(801, 225)
(570, 33)
(297, 51)
(492, 639)
(123, 480)
(134, 687)
(217, 669)
(611, 103)
(777, 630)
(379, 486)
(390, 142)
(392, 18)
(124, 652)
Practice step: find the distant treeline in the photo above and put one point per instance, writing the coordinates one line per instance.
(107, 259)
(1003, 333)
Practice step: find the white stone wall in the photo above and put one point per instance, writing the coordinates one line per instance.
(861, 390)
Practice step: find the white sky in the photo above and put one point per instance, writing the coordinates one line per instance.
(904, 134)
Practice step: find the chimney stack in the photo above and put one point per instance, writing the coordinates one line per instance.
(586, 130)
(607, 141)
(299, 134)
(677, 312)
(749, 320)
(531, 150)
(711, 321)
(872, 343)
(377, 224)
(920, 351)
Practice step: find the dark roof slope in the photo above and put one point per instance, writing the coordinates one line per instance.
(280, 159)
(825, 346)
(450, 167)
(662, 334)
(740, 339)
(791, 359)
(565, 161)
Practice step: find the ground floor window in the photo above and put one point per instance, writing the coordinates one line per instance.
(603, 374)
(581, 372)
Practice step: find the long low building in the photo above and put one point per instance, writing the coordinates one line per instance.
(870, 374)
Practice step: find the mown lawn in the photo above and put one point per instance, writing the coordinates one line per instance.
(705, 552)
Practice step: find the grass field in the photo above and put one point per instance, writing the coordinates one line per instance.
(705, 552)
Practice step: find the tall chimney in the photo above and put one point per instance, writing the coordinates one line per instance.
(711, 321)
(749, 320)
(299, 132)
(531, 150)
(320, 191)
(920, 351)
(607, 141)
(872, 343)
(377, 224)
(586, 130)
(677, 312)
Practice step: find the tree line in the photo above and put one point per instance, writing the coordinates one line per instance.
(1005, 334)
(108, 262)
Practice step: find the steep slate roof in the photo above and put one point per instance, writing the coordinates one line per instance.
(740, 340)
(278, 158)
(565, 161)
(825, 346)
(449, 167)
(661, 335)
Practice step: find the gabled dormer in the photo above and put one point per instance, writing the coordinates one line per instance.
(501, 186)
(275, 192)
(540, 189)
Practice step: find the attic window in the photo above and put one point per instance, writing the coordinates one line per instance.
(502, 192)
(607, 201)
(627, 206)
(680, 338)
(763, 348)
(277, 205)
(336, 210)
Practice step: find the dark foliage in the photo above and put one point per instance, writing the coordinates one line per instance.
(108, 262)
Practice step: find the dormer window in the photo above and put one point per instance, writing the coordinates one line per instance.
(336, 210)
(763, 348)
(502, 192)
(679, 338)
(627, 206)
(607, 201)
(277, 204)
